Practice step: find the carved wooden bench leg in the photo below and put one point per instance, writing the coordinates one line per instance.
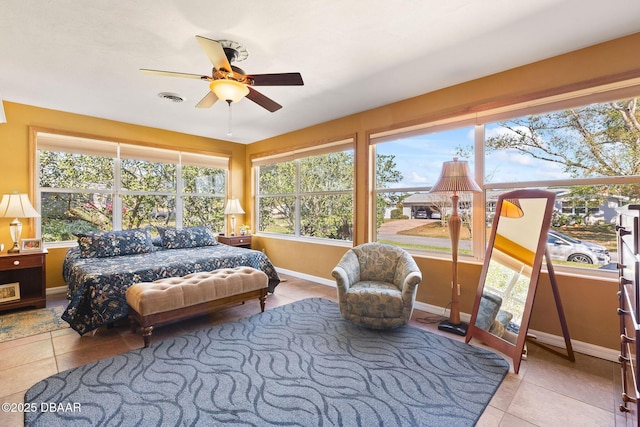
(146, 334)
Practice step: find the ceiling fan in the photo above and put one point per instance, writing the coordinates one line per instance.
(230, 83)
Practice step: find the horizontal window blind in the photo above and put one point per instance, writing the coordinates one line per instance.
(139, 152)
(95, 147)
(203, 160)
(76, 145)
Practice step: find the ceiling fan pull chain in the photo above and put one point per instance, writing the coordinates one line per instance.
(229, 126)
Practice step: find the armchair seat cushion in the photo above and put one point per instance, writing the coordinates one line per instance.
(377, 285)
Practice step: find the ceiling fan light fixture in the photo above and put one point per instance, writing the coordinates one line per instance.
(229, 90)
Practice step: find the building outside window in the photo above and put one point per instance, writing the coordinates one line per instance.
(407, 215)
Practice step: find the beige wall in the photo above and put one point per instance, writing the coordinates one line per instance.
(590, 305)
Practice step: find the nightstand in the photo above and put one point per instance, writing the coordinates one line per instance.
(240, 241)
(28, 271)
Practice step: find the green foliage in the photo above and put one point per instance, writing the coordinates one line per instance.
(397, 214)
(387, 174)
(148, 194)
(595, 140)
(59, 230)
(324, 200)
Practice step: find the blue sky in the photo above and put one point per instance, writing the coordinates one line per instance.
(420, 159)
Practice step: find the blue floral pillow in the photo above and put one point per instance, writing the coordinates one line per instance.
(189, 237)
(104, 244)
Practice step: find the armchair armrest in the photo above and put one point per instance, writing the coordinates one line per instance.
(408, 276)
(347, 272)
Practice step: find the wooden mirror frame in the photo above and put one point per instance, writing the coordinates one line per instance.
(515, 351)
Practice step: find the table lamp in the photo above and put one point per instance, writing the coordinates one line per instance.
(233, 207)
(16, 206)
(455, 178)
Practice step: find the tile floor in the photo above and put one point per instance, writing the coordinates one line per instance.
(548, 391)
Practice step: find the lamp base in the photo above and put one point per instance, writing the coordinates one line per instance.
(15, 249)
(454, 328)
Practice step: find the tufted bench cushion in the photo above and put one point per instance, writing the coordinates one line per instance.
(175, 298)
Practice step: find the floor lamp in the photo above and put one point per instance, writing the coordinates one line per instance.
(454, 178)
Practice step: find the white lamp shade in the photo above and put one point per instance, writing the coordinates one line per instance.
(455, 178)
(229, 90)
(233, 207)
(17, 206)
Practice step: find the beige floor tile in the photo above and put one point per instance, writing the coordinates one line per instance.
(12, 417)
(552, 372)
(33, 338)
(504, 396)
(512, 421)
(543, 407)
(21, 378)
(491, 417)
(73, 359)
(73, 342)
(11, 358)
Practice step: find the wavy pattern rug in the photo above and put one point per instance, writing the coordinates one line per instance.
(31, 322)
(300, 364)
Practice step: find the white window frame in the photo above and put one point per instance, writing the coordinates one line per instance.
(297, 154)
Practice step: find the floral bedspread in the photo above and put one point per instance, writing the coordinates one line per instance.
(97, 286)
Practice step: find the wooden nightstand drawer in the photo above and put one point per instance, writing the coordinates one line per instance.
(12, 262)
(242, 241)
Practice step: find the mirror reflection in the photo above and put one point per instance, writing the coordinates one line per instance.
(508, 276)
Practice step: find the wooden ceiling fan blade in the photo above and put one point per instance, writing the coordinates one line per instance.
(277, 79)
(174, 74)
(208, 100)
(262, 100)
(215, 52)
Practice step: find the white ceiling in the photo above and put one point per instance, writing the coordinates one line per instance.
(83, 56)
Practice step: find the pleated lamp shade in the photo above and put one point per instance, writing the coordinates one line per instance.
(455, 178)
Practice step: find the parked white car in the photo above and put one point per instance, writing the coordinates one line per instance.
(564, 248)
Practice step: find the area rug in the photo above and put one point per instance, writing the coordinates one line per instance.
(31, 322)
(299, 364)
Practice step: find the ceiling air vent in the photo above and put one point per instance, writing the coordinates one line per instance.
(173, 97)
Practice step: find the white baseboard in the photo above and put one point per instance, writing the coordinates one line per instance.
(57, 290)
(309, 277)
(542, 337)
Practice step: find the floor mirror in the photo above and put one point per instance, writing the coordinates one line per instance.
(509, 279)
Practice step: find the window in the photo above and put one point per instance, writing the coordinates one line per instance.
(308, 193)
(407, 215)
(587, 155)
(89, 185)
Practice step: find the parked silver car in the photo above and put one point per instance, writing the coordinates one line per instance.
(564, 248)
(421, 214)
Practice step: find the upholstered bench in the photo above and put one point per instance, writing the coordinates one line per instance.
(175, 298)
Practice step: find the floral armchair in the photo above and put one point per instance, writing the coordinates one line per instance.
(377, 285)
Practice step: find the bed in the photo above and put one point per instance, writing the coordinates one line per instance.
(97, 283)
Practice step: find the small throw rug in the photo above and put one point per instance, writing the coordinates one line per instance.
(31, 322)
(300, 364)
